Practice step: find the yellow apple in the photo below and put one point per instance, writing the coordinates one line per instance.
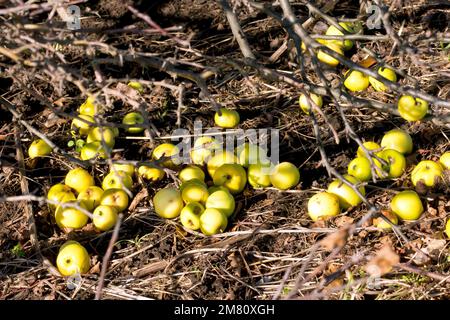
(399, 140)
(396, 162)
(170, 151)
(347, 196)
(326, 58)
(407, 205)
(79, 179)
(387, 73)
(88, 107)
(231, 176)
(218, 159)
(412, 109)
(193, 181)
(427, 171)
(60, 193)
(226, 118)
(131, 119)
(82, 126)
(105, 217)
(248, 154)
(447, 228)
(360, 168)
(191, 172)
(128, 168)
(323, 205)
(194, 192)
(382, 224)
(285, 176)
(92, 150)
(213, 189)
(213, 221)
(136, 86)
(101, 134)
(90, 197)
(369, 145)
(305, 104)
(117, 180)
(72, 259)
(356, 81)
(116, 198)
(203, 149)
(151, 173)
(168, 203)
(347, 44)
(223, 201)
(70, 217)
(39, 148)
(190, 215)
(445, 160)
(259, 175)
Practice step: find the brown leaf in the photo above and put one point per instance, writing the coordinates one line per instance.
(383, 261)
(344, 221)
(334, 240)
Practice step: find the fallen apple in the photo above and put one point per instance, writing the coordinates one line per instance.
(231, 176)
(387, 73)
(194, 192)
(447, 228)
(60, 193)
(305, 104)
(103, 135)
(89, 107)
(203, 148)
(285, 176)
(248, 154)
(190, 215)
(128, 168)
(399, 140)
(412, 109)
(213, 221)
(396, 162)
(226, 118)
(71, 217)
(83, 127)
(370, 146)
(131, 119)
(328, 59)
(136, 86)
(259, 175)
(72, 259)
(170, 151)
(116, 198)
(105, 217)
(380, 223)
(356, 81)
(39, 148)
(428, 172)
(213, 189)
(360, 168)
(151, 173)
(323, 205)
(191, 172)
(347, 44)
(117, 180)
(93, 150)
(90, 197)
(444, 160)
(79, 179)
(168, 203)
(407, 205)
(347, 196)
(221, 200)
(218, 159)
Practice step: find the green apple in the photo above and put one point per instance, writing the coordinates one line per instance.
(444, 160)
(117, 180)
(330, 60)
(399, 140)
(218, 159)
(93, 150)
(190, 215)
(407, 205)
(168, 203)
(356, 81)
(248, 154)
(117, 198)
(105, 217)
(412, 109)
(194, 192)
(167, 150)
(151, 173)
(90, 197)
(79, 179)
(347, 44)
(70, 217)
(39, 148)
(370, 146)
(226, 118)
(387, 73)
(136, 86)
(305, 104)
(102, 134)
(223, 201)
(259, 175)
(131, 119)
(82, 126)
(128, 168)
(72, 259)
(203, 149)
(191, 172)
(285, 176)
(396, 162)
(323, 205)
(382, 224)
(427, 171)
(213, 221)
(60, 193)
(232, 176)
(89, 107)
(347, 196)
(360, 168)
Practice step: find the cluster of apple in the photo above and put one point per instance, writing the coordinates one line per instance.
(410, 108)
(209, 208)
(389, 160)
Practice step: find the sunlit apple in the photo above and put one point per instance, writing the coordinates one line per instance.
(412, 109)
(117, 198)
(89, 107)
(168, 203)
(71, 217)
(151, 173)
(226, 118)
(102, 134)
(203, 149)
(79, 179)
(105, 217)
(117, 180)
(370, 146)
(72, 259)
(407, 205)
(231, 176)
(328, 59)
(259, 175)
(218, 159)
(194, 192)
(248, 154)
(131, 119)
(396, 162)
(90, 197)
(387, 73)
(128, 168)
(167, 150)
(60, 193)
(83, 127)
(347, 196)
(39, 148)
(222, 200)
(191, 172)
(428, 172)
(93, 150)
(323, 205)
(399, 140)
(284, 176)
(444, 160)
(305, 104)
(380, 223)
(347, 44)
(190, 215)
(356, 81)
(360, 168)
(213, 221)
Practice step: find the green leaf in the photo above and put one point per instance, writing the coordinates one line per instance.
(71, 143)
(18, 250)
